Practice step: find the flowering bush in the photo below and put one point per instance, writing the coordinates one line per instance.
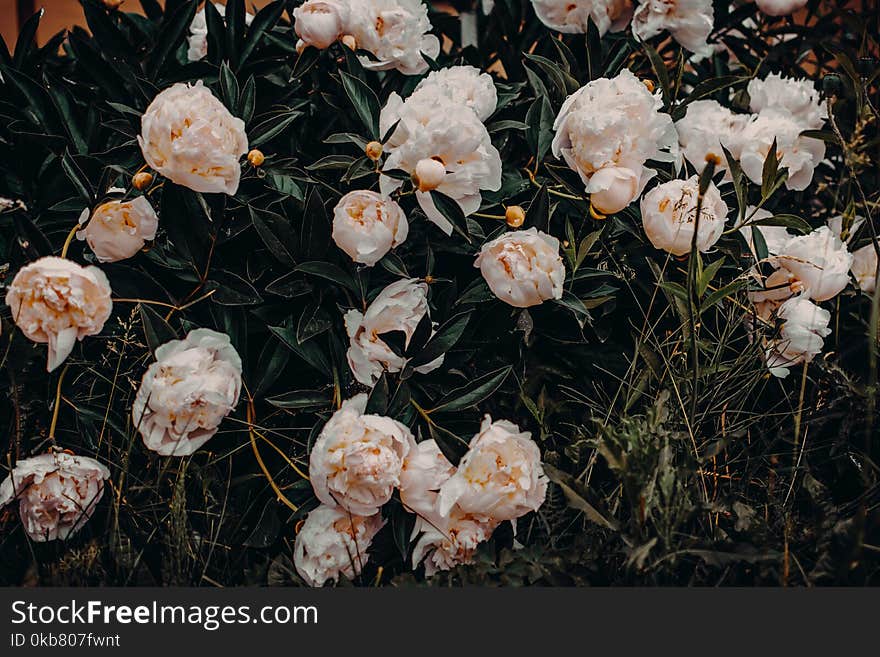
(373, 291)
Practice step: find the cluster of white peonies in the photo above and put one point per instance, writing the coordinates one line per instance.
(669, 216)
(523, 268)
(440, 140)
(606, 132)
(190, 137)
(782, 109)
(358, 461)
(57, 302)
(394, 32)
(117, 230)
(186, 393)
(574, 16)
(56, 493)
(198, 31)
(367, 225)
(399, 307)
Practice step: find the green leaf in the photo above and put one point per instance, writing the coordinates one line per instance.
(77, 177)
(274, 230)
(365, 102)
(453, 213)
(263, 22)
(660, 71)
(474, 392)
(156, 330)
(540, 119)
(443, 340)
(301, 399)
(271, 127)
(229, 88)
(26, 38)
(792, 221)
(173, 31)
(722, 293)
(329, 271)
(577, 494)
(707, 275)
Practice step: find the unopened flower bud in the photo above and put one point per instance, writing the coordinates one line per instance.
(429, 174)
(373, 150)
(140, 181)
(514, 216)
(256, 157)
(349, 41)
(649, 84)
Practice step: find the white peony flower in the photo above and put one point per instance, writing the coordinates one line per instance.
(780, 7)
(319, 23)
(357, 459)
(705, 128)
(864, 268)
(399, 307)
(189, 137)
(198, 32)
(56, 493)
(799, 155)
(500, 477)
(186, 393)
(606, 131)
(446, 542)
(845, 227)
(118, 229)
(463, 85)
(449, 149)
(395, 33)
(669, 214)
(57, 302)
(573, 16)
(819, 261)
(367, 225)
(425, 469)
(523, 268)
(801, 336)
(688, 21)
(333, 542)
(797, 98)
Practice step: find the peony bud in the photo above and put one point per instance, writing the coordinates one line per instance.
(514, 216)
(373, 150)
(319, 23)
(429, 174)
(256, 157)
(140, 181)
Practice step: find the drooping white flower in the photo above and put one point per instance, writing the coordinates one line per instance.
(198, 32)
(395, 32)
(57, 302)
(367, 225)
(56, 493)
(606, 131)
(706, 127)
(780, 7)
(399, 307)
(190, 137)
(523, 268)
(798, 154)
(333, 542)
(319, 23)
(801, 335)
(425, 469)
(797, 98)
(819, 261)
(573, 16)
(500, 477)
(864, 268)
(688, 21)
(669, 216)
(463, 85)
(185, 394)
(118, 229)
(447, 541)
(357, 459)
(447, 147)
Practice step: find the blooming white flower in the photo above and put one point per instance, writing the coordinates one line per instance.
(118, 229)
(447, 541)
(398, 307)
(780, 7)
(357, 459)
(864, 268)
(424, 470)
(606, 131)
(395, 32)
(819, 261)
(198, 32)
(500, 477)
(190, 137)
(319, 23)
(797, 98)
(688, 21)
(57, 302)
(523, 268)
(798, 154)
(367, 225)
(186, 393)
(333, 542)
(573, 16)
(801, 336)
(705, 128)
(56, 493)
(669, 216)
(463, 85)
(450, 150)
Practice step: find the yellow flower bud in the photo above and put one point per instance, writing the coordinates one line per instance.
(140, 181)
(373, 150)
(349, 42)
(514, 215)
(256, 157)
